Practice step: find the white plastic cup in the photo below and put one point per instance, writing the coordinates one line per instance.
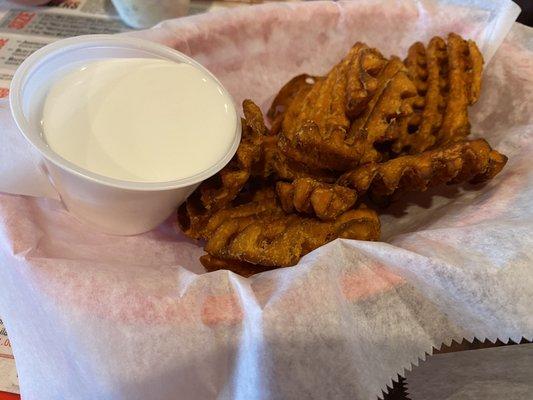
(110, 205)
(146, 13)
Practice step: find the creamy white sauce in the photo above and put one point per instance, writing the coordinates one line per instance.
(142, 120)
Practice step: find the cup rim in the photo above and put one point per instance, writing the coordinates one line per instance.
(29, 66)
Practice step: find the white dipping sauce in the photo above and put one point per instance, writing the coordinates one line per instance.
(142, 120)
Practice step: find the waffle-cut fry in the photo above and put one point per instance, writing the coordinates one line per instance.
(470, 161)
(306, 195)
(220, 190)
(463, 86)
(276, 164)
(192, 217)
(200, 223)
(261, 201)
(362, 79)
(315, 125)
(276, 239)
(297, 86)
(418, 131)
(315, 128)
(474, 70)
(392, 101)
(242, 268)
(448, 79)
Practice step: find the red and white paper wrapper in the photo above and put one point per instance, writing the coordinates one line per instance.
(95, 316)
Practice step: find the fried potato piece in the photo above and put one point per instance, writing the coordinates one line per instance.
(469, 161)
(200, 224)
(465, 66)
(192, 216)
(362, 80)
(392, 101)
(316, 126)
(365, 88)
(242, 268)
(221, 189)
(448, 79)
(297, 86)
(276, 164)
(288, 92)
(261, 201)
(274, 238)
(308, 196)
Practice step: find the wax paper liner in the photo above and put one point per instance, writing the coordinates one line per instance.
(96, 316)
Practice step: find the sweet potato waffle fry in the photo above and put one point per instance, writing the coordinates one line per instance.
(469, 161)
(336, 123)
(220, 190)
(275, 238)
(308, 196)
(242, 268)
(391, 102)
(447, 76)
(277, 165)
(297, 86)
(372, 128)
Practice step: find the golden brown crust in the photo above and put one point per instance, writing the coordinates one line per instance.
(392, 102)
(474, 70)
(274, 238)
(260, 202)
(297, 86)
(308, 196)
(314, 125)
(470, 161)
(418, 132)
(364, 88)
(192, 217)
(242, 268)
(220, 190)
(447, 76)
(276, 164)
(362, 81)
(455, 122)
